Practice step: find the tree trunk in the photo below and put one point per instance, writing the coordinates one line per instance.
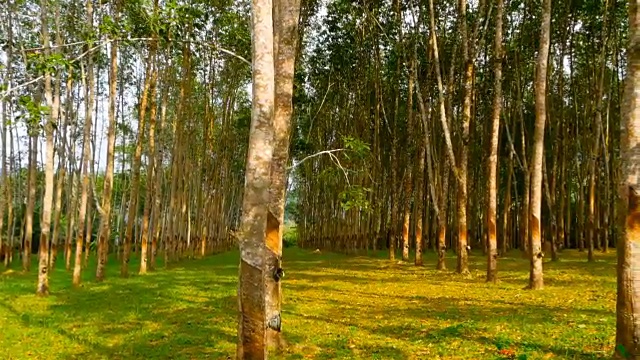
(107, 191)
(462, 169)
(5, 180)
(61, 153)
(72, 193)
(135, 179)
(49, 124)
(86, 154)
(507, 218)
(57, 210)
(628, 304)
(31, 199)
(257, 220)
(442, 199)
(419, 197)
(492, 229)
(286, 13)
(408, 177)
(158, 193)
(149, 195)
(535, 250)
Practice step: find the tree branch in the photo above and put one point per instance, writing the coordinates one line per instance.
(330, 152)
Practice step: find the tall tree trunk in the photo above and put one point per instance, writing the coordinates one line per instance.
(86, 154)
(593, 163)
(159, 175)
(11, 221)
(408, 177)
(506, 237)
(57, 208)
(135, 179)
(49, 124)
(72, 189)
(442, 212)
(462, 168)
(286, 13)
(107, 191)
(5, 180)
(31, 196)
(535, 255)
(628, 304)
(419, 197)
(149, 195)
(61, 151)
(563, 135)
(492, 229)
(526, 188)
(256, 215)
(93, 202)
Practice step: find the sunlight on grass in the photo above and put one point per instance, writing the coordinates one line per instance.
(335, 307)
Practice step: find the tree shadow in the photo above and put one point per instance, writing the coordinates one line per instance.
(190, 311)
(176, 314)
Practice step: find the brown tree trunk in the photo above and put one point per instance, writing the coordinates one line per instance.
(86, 149)
(628, 304)
(61, 153)
(49, 124)
(442, 199)
(462, 168)
(72, 201)
(492, 229)
(257, 220)
(593, 163)
(286, 13)
(31, 199)
(5, 180)
(408, 177)
(506, 238)
(535, 250)
(107, 192)
(419, 199)
(135, 178)
(158, 216)
(151, 177)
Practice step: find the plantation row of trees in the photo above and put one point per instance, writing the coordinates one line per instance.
(131, 105)
(410, 125)
(477, 127)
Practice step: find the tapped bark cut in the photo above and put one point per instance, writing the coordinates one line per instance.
(628, 297)
(535, 248)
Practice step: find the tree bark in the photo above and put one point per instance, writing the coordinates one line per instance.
(257, 221)
(408, 177)
(5, 180)
(49, 123)
(31, 197)
(135, 179)
(107, 191)
(628, 303)
(86, 154)
(151, 169)
(535, 250)
(593, 163)
(492, 229)
(286, 14)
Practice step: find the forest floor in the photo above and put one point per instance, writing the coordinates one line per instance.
(335, 307)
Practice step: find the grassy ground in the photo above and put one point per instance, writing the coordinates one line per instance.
(336, 307)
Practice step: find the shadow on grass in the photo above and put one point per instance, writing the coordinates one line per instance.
(189, 311)
(41, 322)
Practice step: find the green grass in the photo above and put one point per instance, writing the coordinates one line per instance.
(335, 307)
